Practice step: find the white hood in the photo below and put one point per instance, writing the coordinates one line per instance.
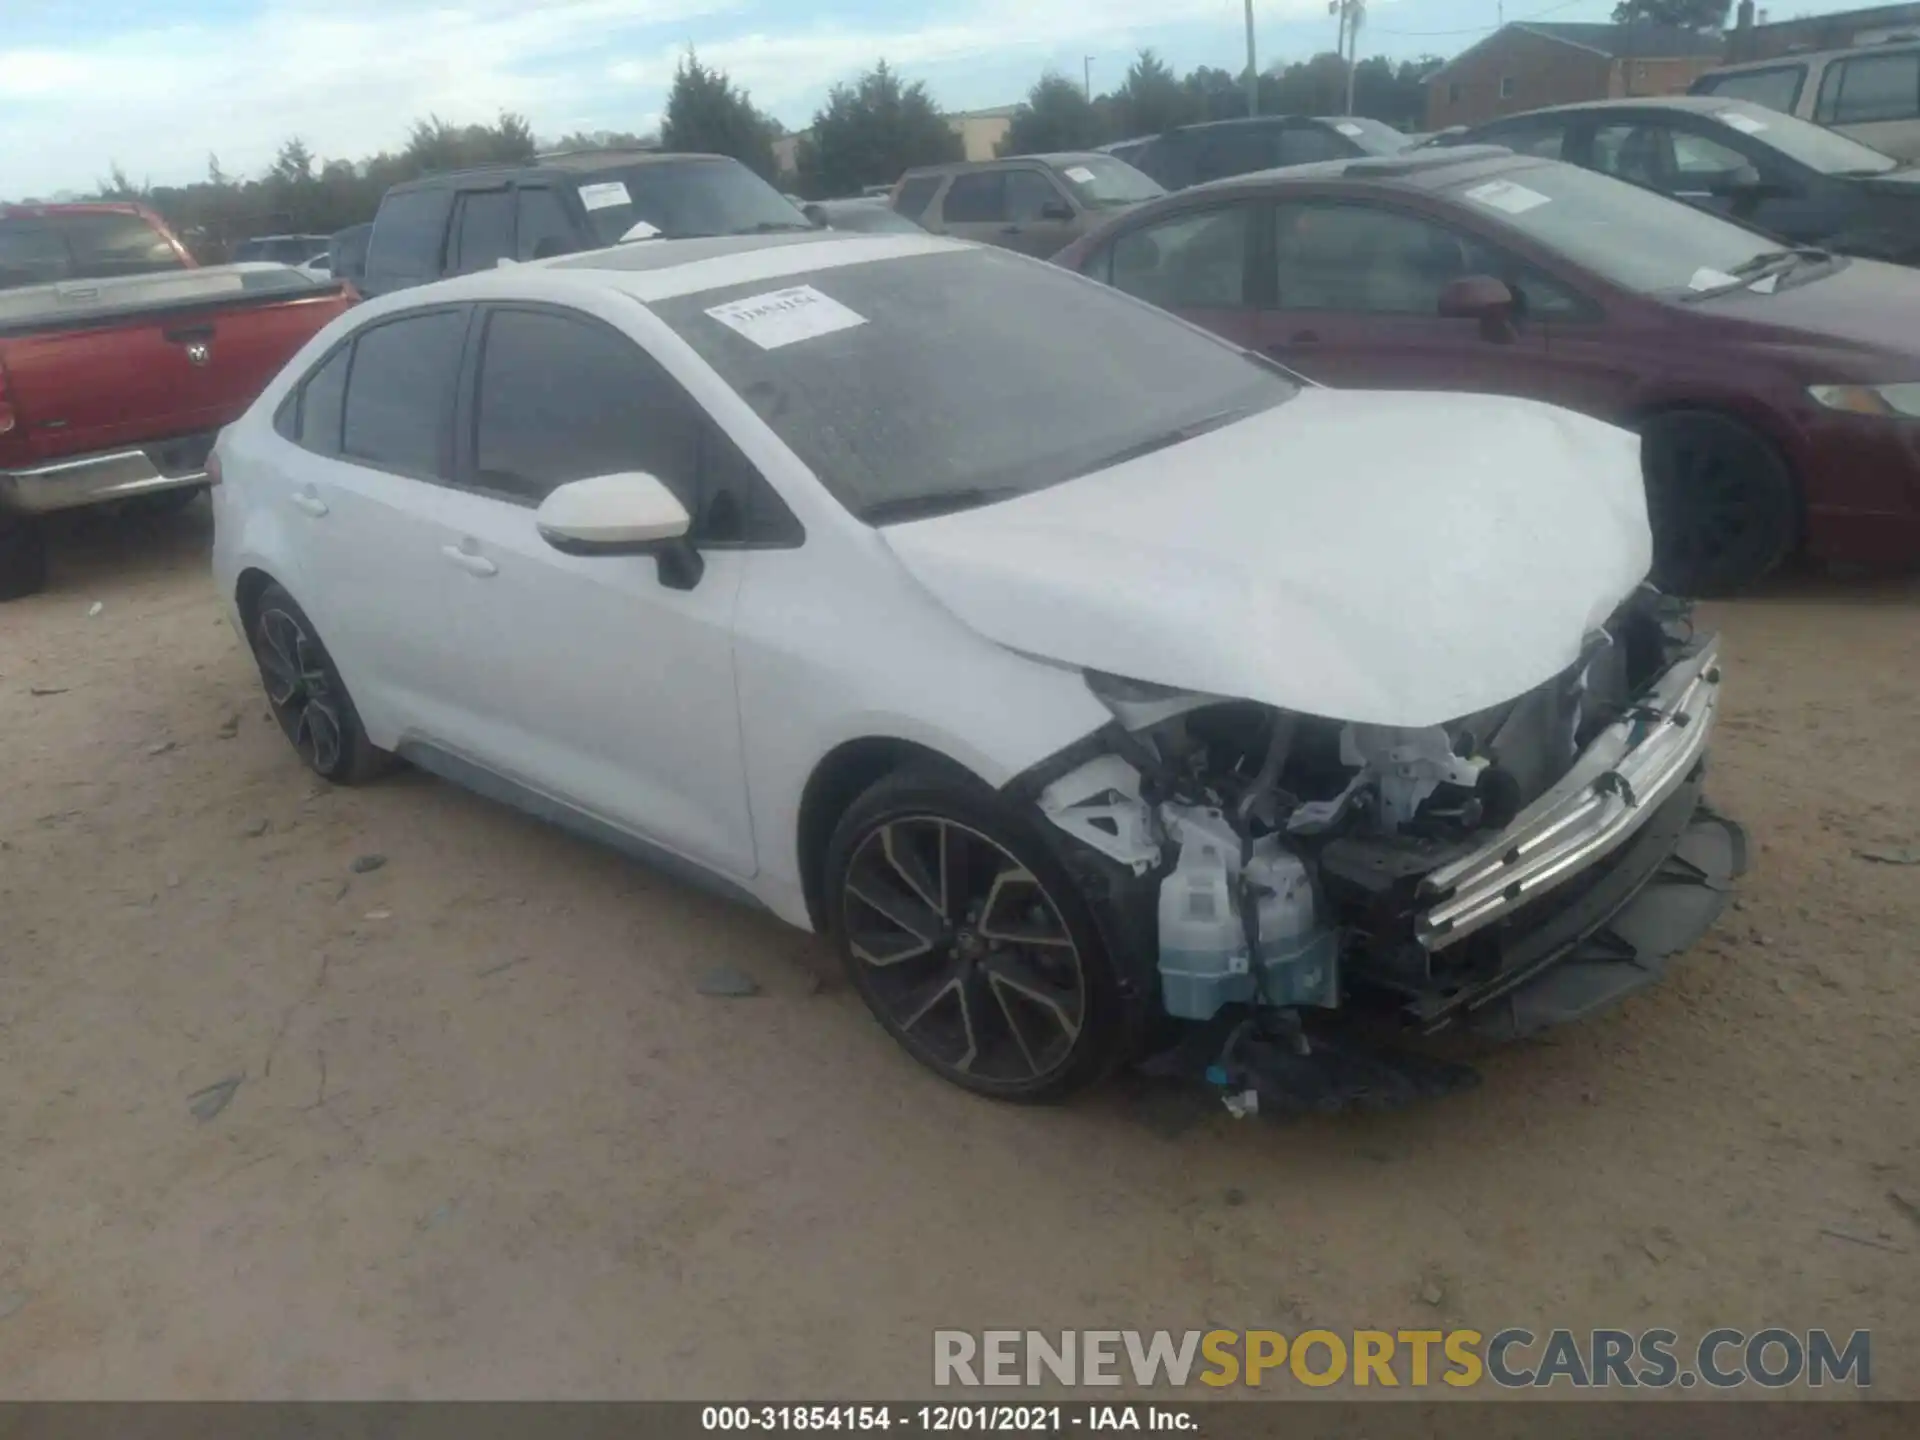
(1395, 559)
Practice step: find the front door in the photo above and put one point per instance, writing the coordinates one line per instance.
(1196, 263)
(606, 681)
(1356, 296)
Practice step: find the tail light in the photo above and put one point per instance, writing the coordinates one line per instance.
(213, 467)
(7, 419)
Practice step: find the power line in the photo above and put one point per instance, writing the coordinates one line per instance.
(1478, 29)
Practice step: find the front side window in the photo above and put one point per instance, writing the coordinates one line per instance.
(1870, 88)
(400, 393)
(1366, 259)
(975, 197)
(482, 230)
(1029, 193)
(407, 235)
(1236, 150)
(1777, 87)
(1196, 261)
(563, 399)
(932, 382)
(543, 227)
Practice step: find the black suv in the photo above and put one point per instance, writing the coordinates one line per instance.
(470, 220)
(1215, 149)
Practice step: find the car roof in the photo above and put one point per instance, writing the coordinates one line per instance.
(1055, 158)
(1410, 170)
(572, 162)
(1700, 104)
(1899, 46)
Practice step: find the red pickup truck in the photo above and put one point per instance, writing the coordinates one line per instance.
(120, 359)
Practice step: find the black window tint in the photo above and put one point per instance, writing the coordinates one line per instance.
(563, 399)
(1196, 261)
(976, 196)
(914, 195)
(1777, 88)
(1029, 193)
(1875, 87)
(482, 230)
(321, 403)
(405, 246)
(80, 246)
(399, 391)
(1235, 150)
(544, 228)
(1304, 144)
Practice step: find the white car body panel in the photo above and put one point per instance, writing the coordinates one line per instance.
(693, 720)
(1395, 559)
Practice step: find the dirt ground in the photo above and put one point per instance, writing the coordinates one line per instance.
(489, 1140)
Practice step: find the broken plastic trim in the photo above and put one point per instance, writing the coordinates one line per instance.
(1612, 790)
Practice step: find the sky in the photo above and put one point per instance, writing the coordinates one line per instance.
(157, 85)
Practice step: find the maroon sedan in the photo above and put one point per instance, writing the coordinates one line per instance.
(1777, 391)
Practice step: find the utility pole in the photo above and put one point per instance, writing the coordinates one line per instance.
(1253, 72)
(1356, 11)
(1086, 75)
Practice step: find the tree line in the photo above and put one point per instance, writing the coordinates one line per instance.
(867, 132)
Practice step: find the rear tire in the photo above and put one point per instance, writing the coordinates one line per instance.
(969, 940)
(23, 556)
(1724, 507)
(306, 694)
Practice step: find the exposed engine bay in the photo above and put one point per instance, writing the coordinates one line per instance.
(1300, 864)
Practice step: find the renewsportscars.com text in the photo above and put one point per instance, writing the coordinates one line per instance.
(1513, 1358)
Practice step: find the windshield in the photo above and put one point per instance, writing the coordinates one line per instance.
(930, 382)
(38, 249)
(1633, 237)
(1814, 146)
(683, 198)
(1101, 181)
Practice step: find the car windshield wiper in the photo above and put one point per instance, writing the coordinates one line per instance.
(936, 502)
(1166, 438)
(1759, 267)
(770, 227)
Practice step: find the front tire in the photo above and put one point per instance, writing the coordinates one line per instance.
(306, 694)
(1724, 507)
(23, 556)
(968, 939)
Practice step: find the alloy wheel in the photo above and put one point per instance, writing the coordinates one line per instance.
(303, 697)
(963, 951)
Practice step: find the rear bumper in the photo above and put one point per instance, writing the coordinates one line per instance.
(108, 475)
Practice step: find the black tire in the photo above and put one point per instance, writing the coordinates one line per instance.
(1724, 507)
(306, 694)
(1012, 993)
(23, 556)
(162, 503)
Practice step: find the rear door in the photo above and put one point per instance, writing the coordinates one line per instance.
(1874, 98)
(1042, 219)
(376, 423)
(1355, 302)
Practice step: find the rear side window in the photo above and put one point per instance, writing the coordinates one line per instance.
(1868, 88)
(1777, 87)
(405, 247)
(544, 228)
(976, 196)
(399, 393)
(482, 230)
(1235, 150)
(915, 194)
(322, 399)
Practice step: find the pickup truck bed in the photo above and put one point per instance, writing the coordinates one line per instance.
(114, 388)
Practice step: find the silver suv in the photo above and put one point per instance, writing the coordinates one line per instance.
(1870, 92)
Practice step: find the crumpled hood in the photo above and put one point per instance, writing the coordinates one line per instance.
(1391, 558)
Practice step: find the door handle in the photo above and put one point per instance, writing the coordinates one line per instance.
(311, 503)
(187, 334)
(468, 561)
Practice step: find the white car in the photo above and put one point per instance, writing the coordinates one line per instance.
(1070, 668)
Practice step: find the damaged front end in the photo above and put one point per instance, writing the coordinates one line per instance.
(1507, 871)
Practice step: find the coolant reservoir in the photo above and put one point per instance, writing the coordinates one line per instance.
(1203, 942)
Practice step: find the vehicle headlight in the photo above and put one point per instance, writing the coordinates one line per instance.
(1871, 399)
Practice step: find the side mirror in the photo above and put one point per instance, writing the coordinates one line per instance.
(1482, 298)
(1056, 210)
(624, 514)
(816, 217)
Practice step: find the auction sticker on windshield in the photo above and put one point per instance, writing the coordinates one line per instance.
(1745, 124)
(1079, 174)
(1348, 129)
(1505, 195)
(783, 317)
(605, 195)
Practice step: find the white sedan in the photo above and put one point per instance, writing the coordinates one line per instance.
(1070, 668)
